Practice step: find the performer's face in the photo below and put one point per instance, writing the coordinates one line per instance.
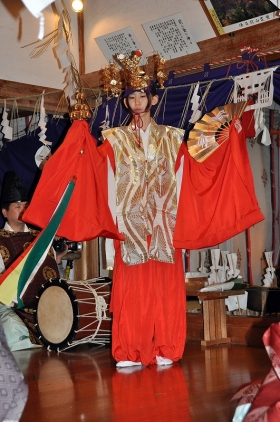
(14, 213)
(139, 102)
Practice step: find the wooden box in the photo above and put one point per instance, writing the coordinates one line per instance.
(265, 300)
(195, 283)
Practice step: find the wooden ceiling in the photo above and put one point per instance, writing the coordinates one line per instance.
(223, 48)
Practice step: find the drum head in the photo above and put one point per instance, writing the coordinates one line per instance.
(57, 314)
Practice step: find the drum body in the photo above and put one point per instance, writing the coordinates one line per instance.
(69, 313)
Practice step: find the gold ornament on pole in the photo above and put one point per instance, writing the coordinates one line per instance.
(80, 110)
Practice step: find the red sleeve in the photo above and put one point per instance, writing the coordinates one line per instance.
(217, 199)
(106, 150)
(87, 215)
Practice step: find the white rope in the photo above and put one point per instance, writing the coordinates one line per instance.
(100, 336)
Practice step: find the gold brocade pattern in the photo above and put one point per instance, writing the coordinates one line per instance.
(34, 232)
(48, 273)
(25, 246)
(146, 191)
(29, 311)
(5, 233)
(51, 253)
(32, 328)
(5, 253)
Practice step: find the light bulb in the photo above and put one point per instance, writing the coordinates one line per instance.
(77, 5)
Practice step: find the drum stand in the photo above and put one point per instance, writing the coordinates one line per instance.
(70, 257)
(71, 313)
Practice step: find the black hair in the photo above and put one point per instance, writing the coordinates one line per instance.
(152, 92)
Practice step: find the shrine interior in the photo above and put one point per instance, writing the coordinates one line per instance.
(212, 61)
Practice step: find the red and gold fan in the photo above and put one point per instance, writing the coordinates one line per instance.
(212, 130)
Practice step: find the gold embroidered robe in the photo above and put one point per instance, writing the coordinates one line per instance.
(146, 197)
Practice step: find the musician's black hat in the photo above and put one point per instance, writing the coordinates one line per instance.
(12, 189)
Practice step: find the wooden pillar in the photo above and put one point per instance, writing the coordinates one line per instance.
(214, 319)
(87, 266)
(81, 42)
(214, 316)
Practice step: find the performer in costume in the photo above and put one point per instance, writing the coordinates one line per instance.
(14, 239)
(138, 172)
(148, 295)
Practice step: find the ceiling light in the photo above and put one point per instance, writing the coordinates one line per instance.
(77, 5)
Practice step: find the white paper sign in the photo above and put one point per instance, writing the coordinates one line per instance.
(122, 41)
(171, 37)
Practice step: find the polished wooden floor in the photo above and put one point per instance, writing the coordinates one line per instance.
(82, 384)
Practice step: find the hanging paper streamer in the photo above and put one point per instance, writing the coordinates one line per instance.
(233, 272)
(195, 105)
(7, 130)
(259, 121)
(269, 277)
(64, 56)
(225, 267)
(42, 122)
(44, 152)
(202, 268)
(216, 270)
(266, 140)
(63, 35)
(261, 127)
(105, 124)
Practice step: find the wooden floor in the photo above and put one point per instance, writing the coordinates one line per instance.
(82, 384)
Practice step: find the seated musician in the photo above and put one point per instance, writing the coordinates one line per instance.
(14, 238)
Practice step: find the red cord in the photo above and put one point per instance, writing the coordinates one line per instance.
(137, 124)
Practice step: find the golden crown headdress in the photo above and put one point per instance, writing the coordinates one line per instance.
(134, 77)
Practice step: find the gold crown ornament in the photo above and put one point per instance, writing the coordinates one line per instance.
(159, 64)
(80, 110)
(135, 78)
(112, 79)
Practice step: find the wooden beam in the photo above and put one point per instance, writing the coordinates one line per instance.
(26, 96)
(265, 37)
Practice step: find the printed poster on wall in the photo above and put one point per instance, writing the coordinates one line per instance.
(231, 15)
(122, 41)
(170, 37)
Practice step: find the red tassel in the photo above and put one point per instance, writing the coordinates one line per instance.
(137, 124)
